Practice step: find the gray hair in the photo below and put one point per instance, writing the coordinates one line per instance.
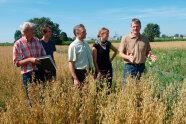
(136, 21)
(25, 25)
(76, 28)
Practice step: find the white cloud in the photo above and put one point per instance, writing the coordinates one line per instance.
(160, 12)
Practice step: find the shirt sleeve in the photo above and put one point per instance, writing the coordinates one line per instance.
(72, 54)
(17, 54)
(54, 46)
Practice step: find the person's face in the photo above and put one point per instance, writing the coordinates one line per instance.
(81, 34)
(104, 35)
(29, 32)
(135, 28)
(48, 33)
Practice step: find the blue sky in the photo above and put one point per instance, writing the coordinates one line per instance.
(115, 15)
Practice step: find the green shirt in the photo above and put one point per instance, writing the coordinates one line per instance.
(79, 52)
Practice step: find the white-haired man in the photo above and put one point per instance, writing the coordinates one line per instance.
(25, 51)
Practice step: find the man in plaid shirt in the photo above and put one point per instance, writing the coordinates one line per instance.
(25, 51)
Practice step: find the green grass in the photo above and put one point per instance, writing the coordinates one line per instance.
(6, 44)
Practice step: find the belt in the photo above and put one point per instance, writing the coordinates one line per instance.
(135, 64)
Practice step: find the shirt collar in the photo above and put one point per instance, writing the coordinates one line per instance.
(132, 36)
(25, 40)
(77, 40)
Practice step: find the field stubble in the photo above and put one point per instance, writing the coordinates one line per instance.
(144, 102)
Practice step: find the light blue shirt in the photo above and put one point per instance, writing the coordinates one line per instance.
(79, 52)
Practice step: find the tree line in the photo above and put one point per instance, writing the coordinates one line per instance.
(57, 35)
(151, 31)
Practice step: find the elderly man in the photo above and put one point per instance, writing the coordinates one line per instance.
(25, 51)
(134, 48)
(79, 56)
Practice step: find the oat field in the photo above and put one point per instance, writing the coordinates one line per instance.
(160, 96)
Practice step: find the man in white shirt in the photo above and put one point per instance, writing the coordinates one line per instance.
(79, 55)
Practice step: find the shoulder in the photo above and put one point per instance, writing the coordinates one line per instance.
(18, 42)
(109, 43)
(125, 38)
(95, 45)
(144, 38)
(72, 45)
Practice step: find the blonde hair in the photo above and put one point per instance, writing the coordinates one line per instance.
(101, 30)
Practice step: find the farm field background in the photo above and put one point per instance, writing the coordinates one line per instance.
(160, 97)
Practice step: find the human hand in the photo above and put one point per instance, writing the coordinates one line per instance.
(47, 71)
(131, 58)
(153, 58)
(35, 60)
(76, 82)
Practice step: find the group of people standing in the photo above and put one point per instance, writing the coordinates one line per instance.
(133, 49)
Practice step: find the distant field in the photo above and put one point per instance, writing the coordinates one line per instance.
(113, 41)
(154, 45)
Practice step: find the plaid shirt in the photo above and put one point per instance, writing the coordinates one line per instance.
(23, 49)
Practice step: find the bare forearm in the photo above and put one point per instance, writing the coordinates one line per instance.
(113, 56)
(96, 65)
(28, 60)
(72, 70)
(124, 56)
(24, 62)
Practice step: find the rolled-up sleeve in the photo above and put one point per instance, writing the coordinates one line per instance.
(17, 55)
(72, 54)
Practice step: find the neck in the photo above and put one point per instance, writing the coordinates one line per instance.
(79, 38)
(29, 39)
(45, 39)
(136, 35)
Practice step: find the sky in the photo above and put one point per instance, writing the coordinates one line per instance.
(116, 15)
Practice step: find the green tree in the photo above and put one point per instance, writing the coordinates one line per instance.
(17, 35)
(164, 36)
(63, 36)
(151, 31)
(70, 39)
(181, 35)
(46, 21)
(176, 35)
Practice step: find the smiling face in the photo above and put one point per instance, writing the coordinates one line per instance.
(135, 27)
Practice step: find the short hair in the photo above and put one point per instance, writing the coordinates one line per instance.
(136, 21)
(101, 30)
(76, 28)
(43, 29)
(25, 25)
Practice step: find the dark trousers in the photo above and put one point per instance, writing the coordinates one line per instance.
(135, 70)
(81, 74)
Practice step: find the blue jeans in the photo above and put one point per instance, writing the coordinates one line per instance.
(27, 78)
(134, 70)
